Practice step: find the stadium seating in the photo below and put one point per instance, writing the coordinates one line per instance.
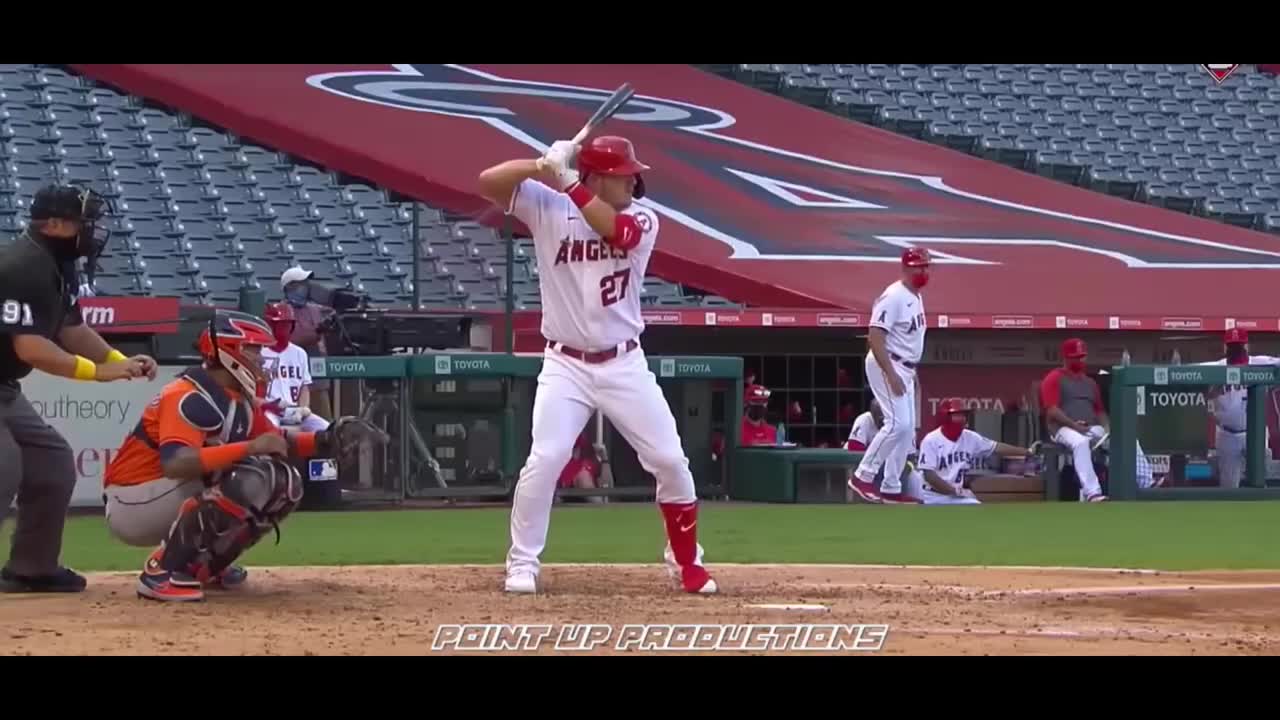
(1162, 134)
(201, 213)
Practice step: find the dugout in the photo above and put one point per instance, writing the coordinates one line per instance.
(461, 424)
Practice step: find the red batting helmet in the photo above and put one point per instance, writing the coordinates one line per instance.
(950, 406)
(281, 312)
(1074, 348)
(757, 395)
(915, 257)
(612, 155)
(1235, 336)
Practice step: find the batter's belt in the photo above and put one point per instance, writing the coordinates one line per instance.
(592, 358)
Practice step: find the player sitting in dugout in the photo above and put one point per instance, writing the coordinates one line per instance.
(947, 454)
(1076, 419)
(755, 429)
(583, 469)
(204, 474)
(865, 428)
(288, 372)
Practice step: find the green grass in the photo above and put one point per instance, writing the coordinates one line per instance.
(1175, 535)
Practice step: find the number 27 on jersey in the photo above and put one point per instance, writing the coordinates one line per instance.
(613, 287)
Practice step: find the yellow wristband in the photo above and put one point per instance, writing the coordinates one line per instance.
(85, 369)
(116, 356)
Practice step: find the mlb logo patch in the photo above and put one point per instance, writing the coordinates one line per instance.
(1220, 72)
(325, 470)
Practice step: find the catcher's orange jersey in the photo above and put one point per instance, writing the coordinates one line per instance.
(180, 414)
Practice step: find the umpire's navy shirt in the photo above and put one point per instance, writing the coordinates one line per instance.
(37, 297)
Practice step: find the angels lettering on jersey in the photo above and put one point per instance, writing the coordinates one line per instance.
(590, 289)
(287, 371)
(951, 459)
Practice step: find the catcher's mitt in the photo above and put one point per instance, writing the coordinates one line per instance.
(343, 438)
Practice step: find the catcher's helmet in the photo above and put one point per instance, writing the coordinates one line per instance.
(1235, 336)
(916, 257)
(77, 204)
(757, 395)
(612, 155)
(1074, 348)
(223, 343)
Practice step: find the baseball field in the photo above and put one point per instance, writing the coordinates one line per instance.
(1019, 578)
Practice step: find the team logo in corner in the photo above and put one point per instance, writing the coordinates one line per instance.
(1220, 72)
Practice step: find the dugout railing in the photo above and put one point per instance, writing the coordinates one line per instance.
(461, 424)
(1131, 388)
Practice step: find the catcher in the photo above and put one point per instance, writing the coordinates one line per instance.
(205, 473)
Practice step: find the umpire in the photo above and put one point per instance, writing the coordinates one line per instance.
(41, 327)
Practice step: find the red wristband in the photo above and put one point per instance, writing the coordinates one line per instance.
(579, 194)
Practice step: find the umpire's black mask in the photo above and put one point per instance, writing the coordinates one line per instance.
(74, 205)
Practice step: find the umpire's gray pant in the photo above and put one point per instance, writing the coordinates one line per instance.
(36, 465)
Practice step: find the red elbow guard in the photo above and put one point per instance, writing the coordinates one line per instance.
(626, 232)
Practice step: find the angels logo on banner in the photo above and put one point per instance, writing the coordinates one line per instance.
(765, 201)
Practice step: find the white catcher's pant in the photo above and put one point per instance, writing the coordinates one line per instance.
(569, 390)
(895, 439)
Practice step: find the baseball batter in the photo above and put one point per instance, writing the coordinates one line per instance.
(947, 455)
(896, 339)
(288, 373)
(592, 244)
(1229, 409)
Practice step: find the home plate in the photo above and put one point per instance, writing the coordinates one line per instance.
(801, 607)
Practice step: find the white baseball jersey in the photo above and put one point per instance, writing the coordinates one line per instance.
(900, 313)
(590, 289)
(864, 428)
(287, 373)
(1230, 409)
(951, 460)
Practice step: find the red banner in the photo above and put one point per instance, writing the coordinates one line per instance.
(131, 315)
(809, 318)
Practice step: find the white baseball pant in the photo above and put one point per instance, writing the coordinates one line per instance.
(310, 423)
(1230, 447)
(569, 391)
(916, 487)
(1082, 458)
(896, 437)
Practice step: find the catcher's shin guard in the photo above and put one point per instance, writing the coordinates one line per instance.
(214, 529)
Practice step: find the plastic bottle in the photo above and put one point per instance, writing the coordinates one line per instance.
(781, 434)
(1177, 358)
(1124, 359)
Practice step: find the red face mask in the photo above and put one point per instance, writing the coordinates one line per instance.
(282, 333)
(1076, 365)
(919, 280)
(952, 426)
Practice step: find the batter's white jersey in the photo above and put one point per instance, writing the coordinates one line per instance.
(900, 313)
(288, 371)
(590, 290)
(864, 428)
(1229, 408)
(952, 459)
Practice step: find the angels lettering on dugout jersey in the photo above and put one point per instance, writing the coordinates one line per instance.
(288, 371)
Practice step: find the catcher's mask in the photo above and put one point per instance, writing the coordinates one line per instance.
(234, 341)
(79, 205)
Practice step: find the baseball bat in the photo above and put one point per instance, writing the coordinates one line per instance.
(605, 111)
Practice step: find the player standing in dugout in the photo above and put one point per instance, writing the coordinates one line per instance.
(41, 327)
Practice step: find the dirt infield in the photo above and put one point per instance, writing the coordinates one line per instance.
(398, 610)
